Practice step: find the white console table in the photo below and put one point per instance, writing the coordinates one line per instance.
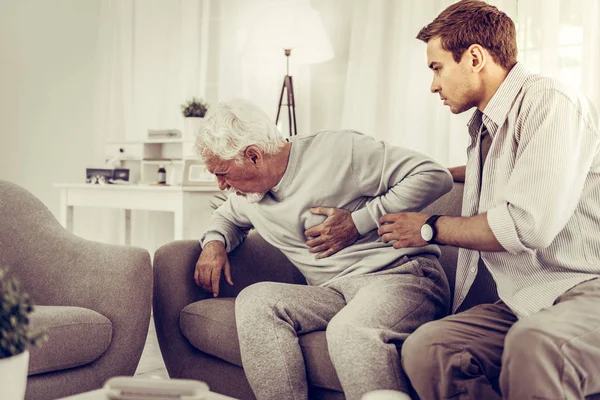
(187, 203)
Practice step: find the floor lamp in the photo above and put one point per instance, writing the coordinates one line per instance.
(288, 25)
(288, 87)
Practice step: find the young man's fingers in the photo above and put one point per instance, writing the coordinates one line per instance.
(388, 218)
(385, 229)
(388, 237)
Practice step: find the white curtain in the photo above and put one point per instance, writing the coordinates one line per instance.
(387, 83)
(387, 86)
(387, 92)
(259, 77)
(562, 40)
(154, 54)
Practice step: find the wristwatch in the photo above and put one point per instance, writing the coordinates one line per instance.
(428, 231)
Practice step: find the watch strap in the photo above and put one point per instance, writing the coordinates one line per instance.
(431, 222)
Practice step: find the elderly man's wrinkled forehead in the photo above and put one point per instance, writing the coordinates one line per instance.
(216, 164)
(212, 159)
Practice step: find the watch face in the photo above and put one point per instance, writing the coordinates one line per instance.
(426, 232)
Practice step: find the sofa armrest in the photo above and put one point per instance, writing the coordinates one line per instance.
(58, 268)
(174, 287)
(252, 261)
(256, 261)
(115, 281)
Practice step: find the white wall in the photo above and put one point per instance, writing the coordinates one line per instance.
(47, 72)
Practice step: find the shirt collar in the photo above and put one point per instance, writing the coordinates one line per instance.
(496, 111)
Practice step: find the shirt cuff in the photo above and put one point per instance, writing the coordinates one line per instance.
(503, 227)
(363, 221)
(212, 237)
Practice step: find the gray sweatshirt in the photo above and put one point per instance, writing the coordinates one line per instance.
(341, 169)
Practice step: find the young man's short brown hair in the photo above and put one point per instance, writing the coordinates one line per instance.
(474, 22)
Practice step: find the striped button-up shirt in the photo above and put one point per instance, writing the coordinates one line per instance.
(540, 188)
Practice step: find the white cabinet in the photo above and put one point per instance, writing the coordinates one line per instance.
(143, 159)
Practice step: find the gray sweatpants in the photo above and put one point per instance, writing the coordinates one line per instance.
(366, 317)
(486, 353)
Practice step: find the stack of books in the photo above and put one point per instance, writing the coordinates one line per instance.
(155, 134)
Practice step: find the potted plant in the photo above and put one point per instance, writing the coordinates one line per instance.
(15, 337)
(193, 110)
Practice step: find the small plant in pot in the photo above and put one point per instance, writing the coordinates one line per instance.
(193, 110)
(15, 337)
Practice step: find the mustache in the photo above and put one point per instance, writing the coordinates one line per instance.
(232, 190)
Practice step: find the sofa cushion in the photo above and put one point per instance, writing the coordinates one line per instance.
(209, 325)
(76, 336)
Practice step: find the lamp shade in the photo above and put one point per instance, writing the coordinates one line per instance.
(288, 24)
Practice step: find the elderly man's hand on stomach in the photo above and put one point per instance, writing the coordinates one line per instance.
(212, 261)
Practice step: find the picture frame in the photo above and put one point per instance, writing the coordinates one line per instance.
(196, 174)
(98, 176)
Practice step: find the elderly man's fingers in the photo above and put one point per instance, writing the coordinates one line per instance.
(322, 210)
(196, 277)
(314, 231)
(318, 249)
(214, 280)
(228, 273)
(202, 277)
(327, 253)
(316, 241)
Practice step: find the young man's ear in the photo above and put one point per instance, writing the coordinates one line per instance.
(254, 154)
(478, 57)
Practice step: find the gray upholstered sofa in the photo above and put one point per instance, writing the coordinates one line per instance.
(93, 299)
(197, 333)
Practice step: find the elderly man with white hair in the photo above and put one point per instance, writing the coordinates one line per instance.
(318, 198)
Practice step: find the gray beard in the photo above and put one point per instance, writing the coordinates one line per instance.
(254, 197)
(250, 197)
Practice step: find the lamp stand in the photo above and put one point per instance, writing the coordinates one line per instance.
(291, 104)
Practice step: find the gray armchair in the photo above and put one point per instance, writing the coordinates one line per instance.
(93, 299)
(197, 333)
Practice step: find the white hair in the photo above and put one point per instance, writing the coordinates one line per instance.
(230, 127)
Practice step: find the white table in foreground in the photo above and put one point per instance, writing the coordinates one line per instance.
(187, 203)
(100, 395)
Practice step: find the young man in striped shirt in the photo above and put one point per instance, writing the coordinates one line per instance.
(530, 221)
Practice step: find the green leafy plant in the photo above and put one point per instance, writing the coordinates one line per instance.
(194, 108)
(15, 307)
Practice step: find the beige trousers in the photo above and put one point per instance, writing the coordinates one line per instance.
(486, 353)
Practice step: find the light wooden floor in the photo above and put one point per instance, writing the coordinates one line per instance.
(151, 364)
